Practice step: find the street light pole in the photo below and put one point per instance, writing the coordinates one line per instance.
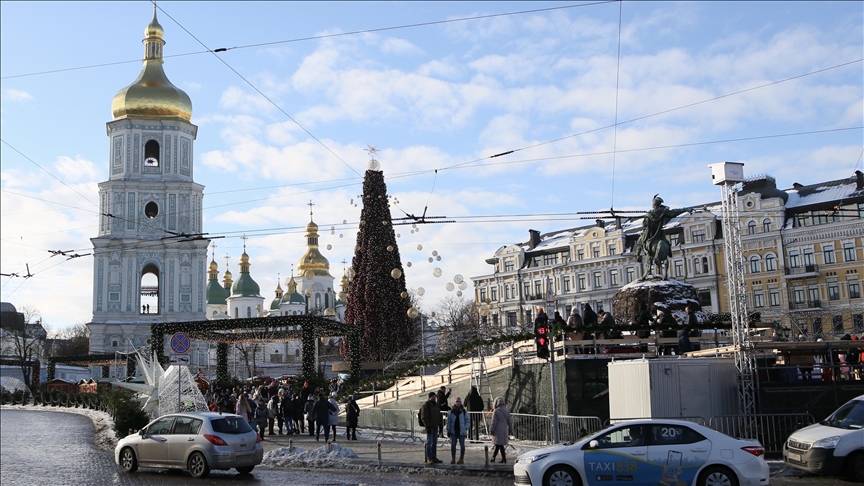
(550, 303)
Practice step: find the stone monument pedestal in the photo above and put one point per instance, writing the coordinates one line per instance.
(653, 294)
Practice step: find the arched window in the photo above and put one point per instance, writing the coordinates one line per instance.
(248, 312)
(770, 262)
(751, 228)
(755, 264)
(151, 154)
(236, 313)
(317, 301)
(766, 225)
(697, 267)
(704, 264)
(149, 282)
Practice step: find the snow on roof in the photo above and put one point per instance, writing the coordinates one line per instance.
(824, 192)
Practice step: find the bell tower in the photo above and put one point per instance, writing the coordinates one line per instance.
(149, 256)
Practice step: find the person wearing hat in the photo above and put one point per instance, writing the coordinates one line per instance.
(458, 423)
(430, 418)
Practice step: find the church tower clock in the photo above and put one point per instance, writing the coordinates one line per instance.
(149, 256)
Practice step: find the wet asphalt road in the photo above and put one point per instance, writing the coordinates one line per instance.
(51, 448)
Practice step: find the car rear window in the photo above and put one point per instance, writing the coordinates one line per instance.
(230, 425)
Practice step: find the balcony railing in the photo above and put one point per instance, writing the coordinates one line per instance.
(813, 268)
(810, 304)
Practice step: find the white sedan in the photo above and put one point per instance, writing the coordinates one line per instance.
(647, 452)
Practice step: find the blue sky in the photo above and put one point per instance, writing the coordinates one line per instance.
(439, 97)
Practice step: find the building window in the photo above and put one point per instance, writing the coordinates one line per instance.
(580, 254)
(675, 239)
(766, 225)
(697, 267)
(758, 299)
(598, 280)
(770, 263)
(631, 274)
(565, 256)
(550, 259)
(849, 252)
(794, 262)
(508, 265)
(612, 249)
(833, 291)
(837, 323)
(511, 320)
(276, 358)
(582, 283)
(482, 295)
(755, 264)
(854, 290)
(798, 294)
(565, 284)
(705, 298)
(613, 277)
(813, 294)
(536, 262)
(774, 297)
(506, 292)
(526, 290)
(704, 264)
(248, 312)
(751, 228)
(679, 268)
(698, 236)
(809, 259)
(236, 313)
(494, 293)
(538, 289)
(595, 250)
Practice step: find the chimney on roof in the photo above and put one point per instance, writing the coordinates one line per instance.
(533, 239)
(796, 185)
(601, 223)
(617, 222)
(859, 180)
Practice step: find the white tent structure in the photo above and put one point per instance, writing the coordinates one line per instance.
(178, 392)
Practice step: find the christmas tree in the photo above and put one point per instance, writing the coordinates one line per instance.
(377, 298)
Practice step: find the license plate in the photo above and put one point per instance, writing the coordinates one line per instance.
(245, 457)
(794, 457)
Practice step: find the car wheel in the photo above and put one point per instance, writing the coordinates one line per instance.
(855, 467)
(561, 476)
(245, 469)
(197, 465)
(717, 476)
(128, 461)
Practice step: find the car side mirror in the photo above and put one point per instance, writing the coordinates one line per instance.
(142, 432)
(593, 444)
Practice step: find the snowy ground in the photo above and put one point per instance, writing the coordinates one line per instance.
(103, 424)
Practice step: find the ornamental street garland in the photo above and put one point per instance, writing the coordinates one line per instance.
(103, 360)
(261, 329)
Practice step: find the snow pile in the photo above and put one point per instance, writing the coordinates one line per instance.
(313, 458)
(103, 424)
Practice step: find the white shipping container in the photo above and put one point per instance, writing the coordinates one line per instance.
(673, 387)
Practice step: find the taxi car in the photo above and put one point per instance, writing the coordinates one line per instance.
(647, 452)
(194, 441)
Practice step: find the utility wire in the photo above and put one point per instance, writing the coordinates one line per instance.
(322, 36)
(617, 84)
(48, 172)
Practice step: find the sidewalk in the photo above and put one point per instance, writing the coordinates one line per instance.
(402, 452)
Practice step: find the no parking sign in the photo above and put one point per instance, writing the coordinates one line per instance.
(180, 343)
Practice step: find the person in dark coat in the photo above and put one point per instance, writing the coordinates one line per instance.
(589, 319)
(430, 417)
(286, 409)
(352, 415)
(322, 409)
(476, 407)
(684, 345)
(442, 397)
(299, 423)
(309, 408)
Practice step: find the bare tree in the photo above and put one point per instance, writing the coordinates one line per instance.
(25, 344)
(249, 353)
(69, 341)
(459, 322)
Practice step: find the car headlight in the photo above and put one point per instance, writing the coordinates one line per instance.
(828, 442)
(530, 459)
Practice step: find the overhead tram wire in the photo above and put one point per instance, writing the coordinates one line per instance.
(214, 53)
(322, 36)
(47, 172)
(617, 84)
(689, 105)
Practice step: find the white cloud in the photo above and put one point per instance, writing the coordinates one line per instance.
(77, 169)
(16, 95)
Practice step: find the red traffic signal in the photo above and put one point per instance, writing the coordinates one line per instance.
(541, 330)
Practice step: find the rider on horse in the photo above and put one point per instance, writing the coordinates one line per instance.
(652, 241)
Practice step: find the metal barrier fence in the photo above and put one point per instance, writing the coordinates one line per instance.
(695, 420)
(771, 430)
(571, 428)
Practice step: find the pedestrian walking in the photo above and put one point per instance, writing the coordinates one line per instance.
(261, 417)
(334, 414)
(352, 416)
(243, 408)
(458, 424)
(475, 406)
(272, 412)
(299, 423)
(430, 418)
(309, 408)
(322, 408)
(286, 413)
(501, 429)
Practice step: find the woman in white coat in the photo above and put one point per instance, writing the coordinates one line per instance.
(501, 429)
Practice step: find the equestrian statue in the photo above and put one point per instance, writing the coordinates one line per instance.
(652, 241)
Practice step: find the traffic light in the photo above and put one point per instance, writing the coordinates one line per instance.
(541, 341)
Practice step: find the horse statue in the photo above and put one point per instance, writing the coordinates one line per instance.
(652, 242)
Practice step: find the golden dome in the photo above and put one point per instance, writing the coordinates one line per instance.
(152, 95)
(313, 259)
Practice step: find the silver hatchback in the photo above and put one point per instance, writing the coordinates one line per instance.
(194, 441)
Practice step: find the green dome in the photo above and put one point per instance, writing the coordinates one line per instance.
(216, 294)
(294, 298)
(244, 286)
(275, 304)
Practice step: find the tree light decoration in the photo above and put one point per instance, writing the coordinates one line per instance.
(458, 293)
(458, 278)
(329, 246)
(404, 295)
(419, 247)
(310, 275)
(389, 247)
(421, 291)
(437, 272)
(341, 235)
(438, 258)
(407, 264)
(412, 313)
(344, 221)
(431, 259)
(449, 286)
(373, 165)
(374, 305)
(462, 285)
(434, 252)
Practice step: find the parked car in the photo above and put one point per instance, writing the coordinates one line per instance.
(834, 446)
(647, 452)
(195, 441)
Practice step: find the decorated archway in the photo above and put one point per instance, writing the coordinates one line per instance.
(273, 329)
